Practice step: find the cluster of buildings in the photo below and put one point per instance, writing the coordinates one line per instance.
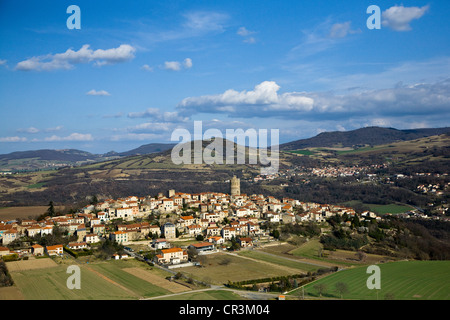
(216, 217)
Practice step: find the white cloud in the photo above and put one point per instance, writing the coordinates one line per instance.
(205, 21)
(72, 137)
(2, 62)
(68, 59)
(341, 30)
(98, 93)
(156, 114)
(177, 66)
(244, 32)
(398, 18)
(187, 63)
(172, 65)
(13, 139)
(416, 100)
(146, 67)
(31, 130)
(264, 96)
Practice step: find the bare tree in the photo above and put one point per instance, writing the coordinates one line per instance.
(320, 288)
(341, 288)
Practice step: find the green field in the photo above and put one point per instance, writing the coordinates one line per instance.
(99, 281)
(50, 284)
(381, 208)
(298, 265)
(304, 152)
(389, 208)
(403, 280)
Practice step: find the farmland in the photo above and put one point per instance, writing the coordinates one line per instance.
(111, 280)
(402, 280)
(220, 268)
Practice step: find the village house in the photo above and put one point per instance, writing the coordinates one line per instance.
(245, 242)
(160, 244)
(194, 230)
(77, 245)
(169, 230)
(37, 250)
(56, 250)
(203, 247)
(119, 237)
(216, 240)
(171, 256)
(91, 238)
(9, 236)
(228, 232)
(4, 251)
(99, 229)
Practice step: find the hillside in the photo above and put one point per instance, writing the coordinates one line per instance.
(147, 149)
(152, 173)
(362, 137)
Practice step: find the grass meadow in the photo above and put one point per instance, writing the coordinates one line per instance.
(402, 280)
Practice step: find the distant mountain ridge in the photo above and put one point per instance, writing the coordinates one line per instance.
(362, 136)
(44, 158)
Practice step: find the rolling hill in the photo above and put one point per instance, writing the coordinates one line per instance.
(361, 137)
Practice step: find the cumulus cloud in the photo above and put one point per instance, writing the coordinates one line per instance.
(263, 98)
(98, 93)
(13, 139)
(177, 66)
(72, 137)
(68, 59)
(265, 101)
(399, 18)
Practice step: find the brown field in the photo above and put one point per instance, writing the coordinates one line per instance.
(31, 264)
(11, 293)
(23, 212)
(156, 280)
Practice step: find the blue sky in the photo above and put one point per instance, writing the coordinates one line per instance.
(137, 70)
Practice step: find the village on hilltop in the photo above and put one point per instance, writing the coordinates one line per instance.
(214, 219)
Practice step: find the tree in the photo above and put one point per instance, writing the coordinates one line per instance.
(199, 237)
(320, 288)
(341, 288)
(361, 256)
(51, 209)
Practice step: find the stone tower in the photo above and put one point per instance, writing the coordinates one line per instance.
(235, 186)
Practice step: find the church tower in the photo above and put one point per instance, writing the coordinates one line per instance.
(235, 186)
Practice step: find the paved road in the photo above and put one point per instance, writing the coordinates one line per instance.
(245, 294)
